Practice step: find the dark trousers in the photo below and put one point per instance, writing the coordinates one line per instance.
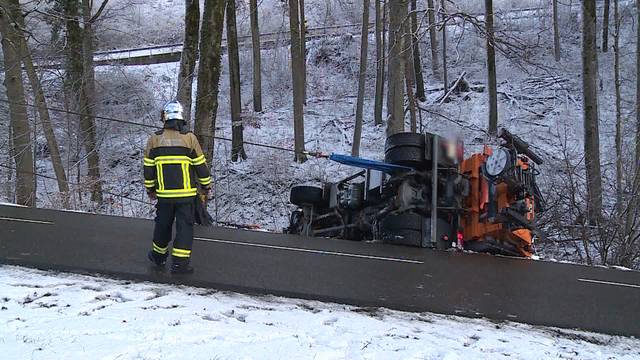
(183, 213)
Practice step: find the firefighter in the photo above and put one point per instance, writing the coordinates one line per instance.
(175, 171)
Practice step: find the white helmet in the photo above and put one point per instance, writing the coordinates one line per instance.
(172, 111)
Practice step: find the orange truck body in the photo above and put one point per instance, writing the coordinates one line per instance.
(476, 223)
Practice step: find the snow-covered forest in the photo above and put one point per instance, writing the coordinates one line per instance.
(75, 126)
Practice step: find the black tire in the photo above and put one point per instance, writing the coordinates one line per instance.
(402, 229)
(306, 195)
(408, 237)
(402, 221)
(404, 139)
(405, 149)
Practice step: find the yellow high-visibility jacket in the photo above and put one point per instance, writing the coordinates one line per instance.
(174, 165)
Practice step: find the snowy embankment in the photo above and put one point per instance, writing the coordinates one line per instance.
(48, 315)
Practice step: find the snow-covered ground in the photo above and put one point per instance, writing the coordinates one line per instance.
(46, 315)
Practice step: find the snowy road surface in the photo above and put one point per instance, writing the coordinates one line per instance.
(46, 315)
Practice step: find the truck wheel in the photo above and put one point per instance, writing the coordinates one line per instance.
(402, 229)
(406, 220)
(405, 149)
(306, 195)
(408, 237)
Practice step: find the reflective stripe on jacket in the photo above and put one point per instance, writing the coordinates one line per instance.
(174, 164)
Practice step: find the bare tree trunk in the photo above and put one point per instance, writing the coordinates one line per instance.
(636, 187)
(237, 142)
(385, 40)
(34, 145)
(390, 90)
(491, 69)
(556, 32)
(47, 128)
(189, 54)
(364, 42)
(21, 131)
(605, 26)
(209, 75)
(395, 102)
(297, 76)
(590, 100)
(417, 63)
(626, 248)
(80, 82)
(303, 48)
(379, 64)
(10, 157)
(255, 43)
(616, 73)
(409, 74)
(407, 50)
(634, 201)
(73, 73)
(445, 75)
(433, 38)
(43, 113)
(411, 100)
(87, 121)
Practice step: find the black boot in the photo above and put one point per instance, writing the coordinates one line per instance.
(181, 268)
(157, 259)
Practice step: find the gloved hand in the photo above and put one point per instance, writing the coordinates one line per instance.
(152, 195)
(204, 193)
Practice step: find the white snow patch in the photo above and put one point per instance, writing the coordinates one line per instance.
(11, 204)
(45, 315)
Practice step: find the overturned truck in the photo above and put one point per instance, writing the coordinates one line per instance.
(426, 194)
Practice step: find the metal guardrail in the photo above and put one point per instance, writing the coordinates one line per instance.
(158, 54)
(240, 38)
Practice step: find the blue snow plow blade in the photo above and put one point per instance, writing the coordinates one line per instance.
(368, 164)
